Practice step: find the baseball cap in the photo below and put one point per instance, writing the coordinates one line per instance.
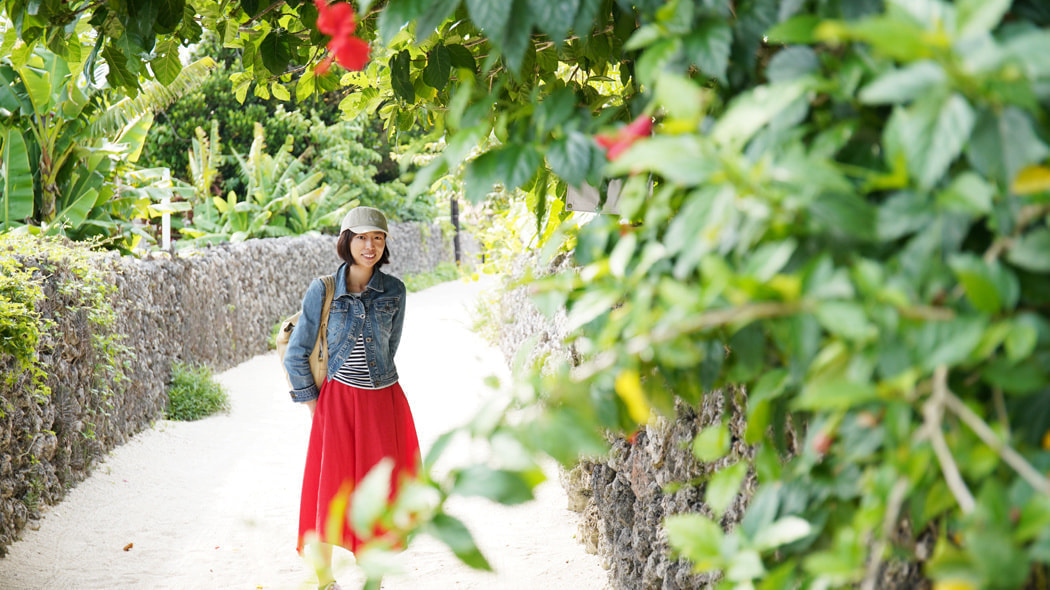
(364, 219)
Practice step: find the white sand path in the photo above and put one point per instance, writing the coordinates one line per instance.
(213, 504)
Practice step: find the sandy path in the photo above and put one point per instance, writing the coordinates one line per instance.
(214, 503)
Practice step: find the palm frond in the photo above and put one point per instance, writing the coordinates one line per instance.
(153, 97)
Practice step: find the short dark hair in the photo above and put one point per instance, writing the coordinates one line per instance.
(342, 247)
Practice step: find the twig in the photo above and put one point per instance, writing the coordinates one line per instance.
(893, 510)
(1006, 452)
(933, 412)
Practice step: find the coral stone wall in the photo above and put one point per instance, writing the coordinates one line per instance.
(217, 306)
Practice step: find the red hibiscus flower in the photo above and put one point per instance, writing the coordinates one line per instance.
(337, 20)
(618, 143)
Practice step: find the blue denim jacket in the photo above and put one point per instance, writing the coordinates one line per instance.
(378, 316)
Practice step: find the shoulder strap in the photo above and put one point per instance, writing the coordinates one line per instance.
(329, 293)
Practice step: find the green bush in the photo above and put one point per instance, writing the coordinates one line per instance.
(442, 273)
(194, 394)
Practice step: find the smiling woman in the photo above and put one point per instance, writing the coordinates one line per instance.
(360, 414)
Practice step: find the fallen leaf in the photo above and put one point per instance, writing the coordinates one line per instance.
(128, 546)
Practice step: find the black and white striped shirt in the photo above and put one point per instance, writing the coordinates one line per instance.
(354, 370)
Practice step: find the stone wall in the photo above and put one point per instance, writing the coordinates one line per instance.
(217, 306)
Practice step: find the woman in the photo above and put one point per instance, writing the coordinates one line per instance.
(360, 414)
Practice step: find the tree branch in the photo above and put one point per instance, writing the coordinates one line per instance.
(1006, 452)
(893, 510)
(933, 413)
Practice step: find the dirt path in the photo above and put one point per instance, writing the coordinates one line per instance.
(213, 504)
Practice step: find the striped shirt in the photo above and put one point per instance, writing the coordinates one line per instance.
(354, 370)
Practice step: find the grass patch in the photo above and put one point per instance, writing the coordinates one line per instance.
(194, 394)
(442, 273)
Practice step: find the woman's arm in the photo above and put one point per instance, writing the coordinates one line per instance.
(399, 319)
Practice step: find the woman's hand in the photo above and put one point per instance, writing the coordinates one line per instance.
(312, 404)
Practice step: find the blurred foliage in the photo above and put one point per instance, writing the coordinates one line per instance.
(442, 273)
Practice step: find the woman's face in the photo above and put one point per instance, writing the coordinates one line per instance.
(367, 248)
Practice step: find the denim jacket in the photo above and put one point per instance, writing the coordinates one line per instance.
(378, 316)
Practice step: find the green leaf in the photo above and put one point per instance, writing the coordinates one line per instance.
(680, 159)
(968, 193)
(371, 497)
(1003, 143)
(306, 85)
(491, 16)
(118, 68)
(989, 287)
(785, 530)
(400, 80)
(397, 14)
(836, 393)
(505, 487)
(517, 38)
(570, 157)
(846, 319)
(169, 15)
(723, 487)
(698, 539)
(275, 51)
(1021, 339)
(77, 212)
(555, 17)
(439, 65)
(792, 63)
(712, 443)
(436, 12)
(979, 17)
(461, 57)
(16, 196)
(752, 110)
(452, 532)
(167, 65)
(769, 259)
(948, 342)
(709, 46)
(512, 165)
(934, 131)
(1032, 251)
(1024, 378)
(905, 84)
(796, 30)
(845, 214)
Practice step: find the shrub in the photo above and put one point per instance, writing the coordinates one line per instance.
(194, 394)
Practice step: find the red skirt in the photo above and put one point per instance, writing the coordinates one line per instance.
(353, 429)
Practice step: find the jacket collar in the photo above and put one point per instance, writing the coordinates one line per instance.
(376, 283)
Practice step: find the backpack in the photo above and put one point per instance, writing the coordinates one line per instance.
(319, 355)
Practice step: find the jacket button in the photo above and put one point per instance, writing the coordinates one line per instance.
(373, 363)
(368, 339)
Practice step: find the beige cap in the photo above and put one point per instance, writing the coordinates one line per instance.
(364, 219)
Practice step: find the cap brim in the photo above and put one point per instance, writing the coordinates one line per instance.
(361, 229)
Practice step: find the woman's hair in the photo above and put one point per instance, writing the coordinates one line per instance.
(342, 247)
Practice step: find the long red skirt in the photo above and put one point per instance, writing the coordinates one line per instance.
(353, 429)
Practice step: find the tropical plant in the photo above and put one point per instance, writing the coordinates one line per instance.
(282, 197)
(65, 150)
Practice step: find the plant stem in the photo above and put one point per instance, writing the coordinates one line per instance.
(889, 521)
(933, 413)
(1006, 452)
